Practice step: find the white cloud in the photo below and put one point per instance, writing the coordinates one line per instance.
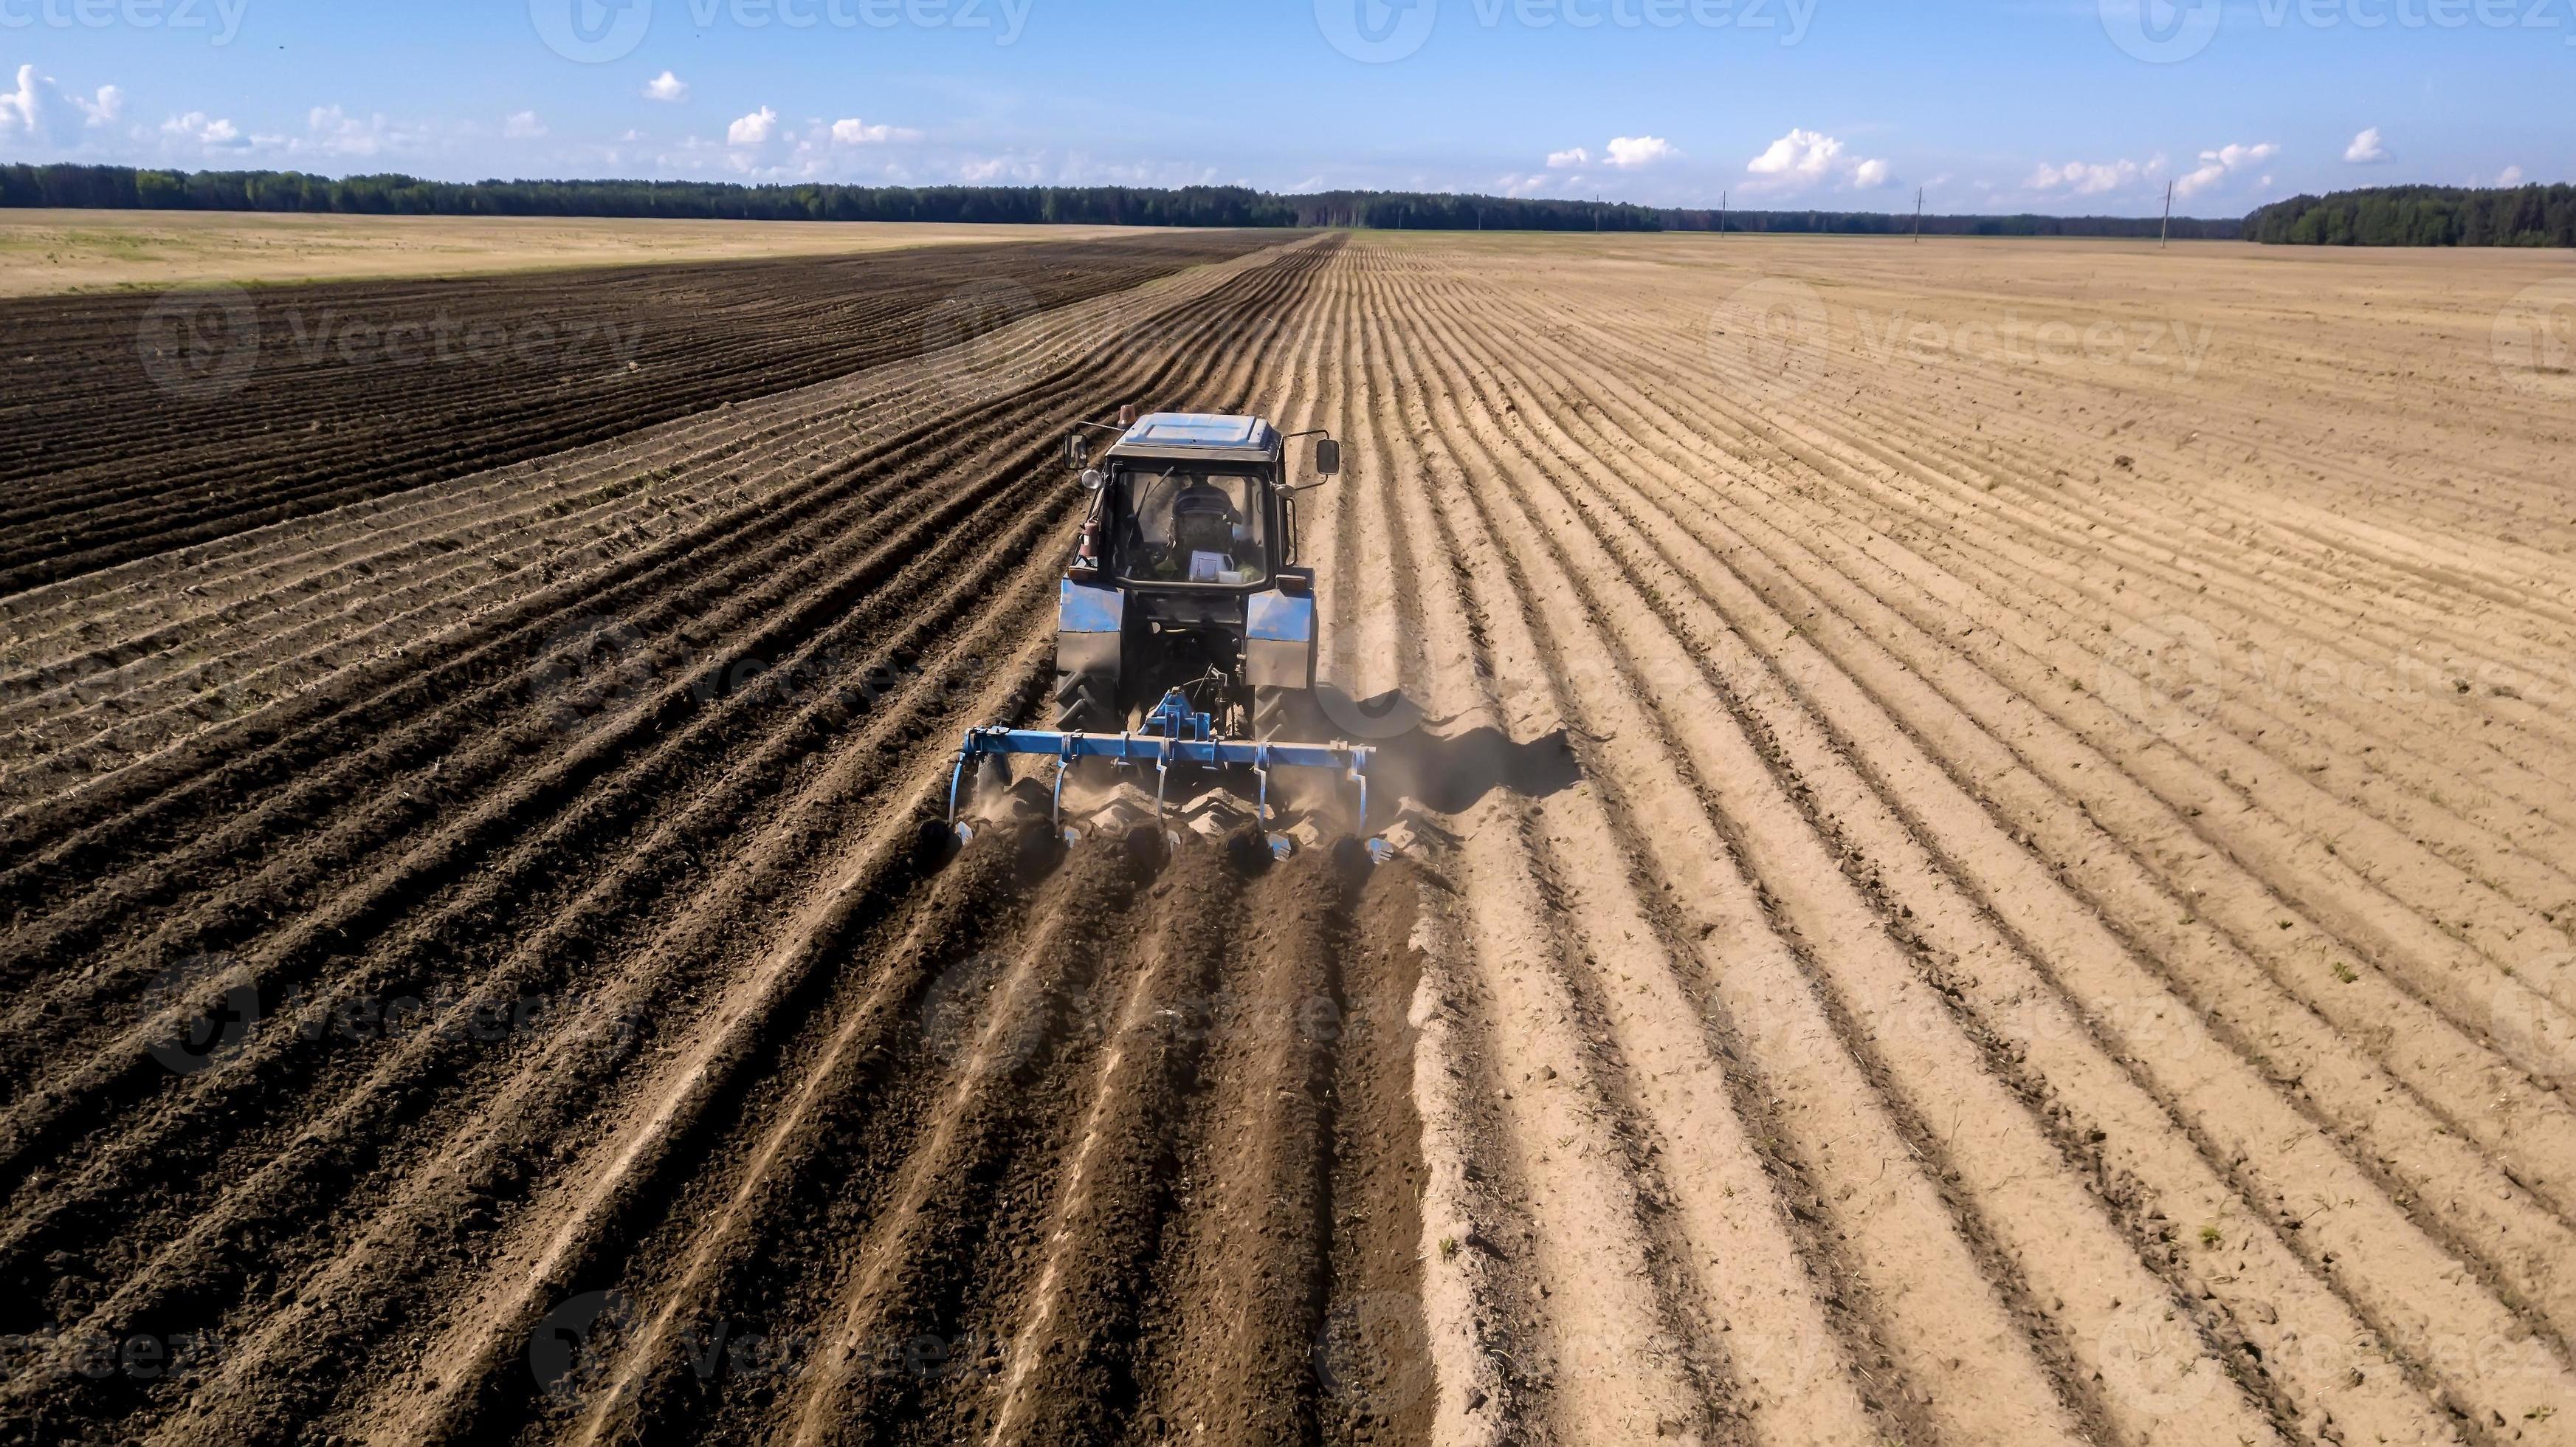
(2086, 178)
(2218, 165)
(198, 128)
(38, 107)
(1630, 152)
(755, 129)
(1562, 160)
(2367, 149)
(1802, 154)
(104, 109)
(2510, 176)
(20, 109)
(1803, 158)
(523, 126)
(331, 131)
(856, 133)
(667, 88)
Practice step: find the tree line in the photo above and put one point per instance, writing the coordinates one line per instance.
(128, 188)
(2421, 216)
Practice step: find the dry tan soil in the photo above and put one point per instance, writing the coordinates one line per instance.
(1988, 860)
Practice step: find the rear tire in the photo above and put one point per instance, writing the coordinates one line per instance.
(1277, 714)
(1087, 703)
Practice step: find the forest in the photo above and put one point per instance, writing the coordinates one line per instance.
(127, 188)
(2421, 216)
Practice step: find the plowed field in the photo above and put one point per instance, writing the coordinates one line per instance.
(1987, 855)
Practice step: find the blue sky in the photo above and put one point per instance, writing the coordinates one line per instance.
(2065, 106)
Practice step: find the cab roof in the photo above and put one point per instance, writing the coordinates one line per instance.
(1198, 434)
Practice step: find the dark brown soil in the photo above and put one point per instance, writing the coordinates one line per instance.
(138, 424)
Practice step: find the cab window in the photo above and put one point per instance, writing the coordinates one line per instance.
(1192, 526)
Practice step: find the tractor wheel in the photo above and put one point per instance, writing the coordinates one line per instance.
(1277, 713)
(1087, 703)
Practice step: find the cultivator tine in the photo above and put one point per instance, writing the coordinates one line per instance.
(965, 833)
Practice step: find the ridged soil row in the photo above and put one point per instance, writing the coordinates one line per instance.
(540, 719)
(1021, 615)
(1477, 1303)
(2516, 1370)
(2500, 893)
(1949, 929)
(2515, 1000)
(594, 1235)
(2465, 1079)
(555, 619)
(232, 486)
(235, 571)
(1785, 1331)
(552, 617)
(1875, 1007)
(2317, 666)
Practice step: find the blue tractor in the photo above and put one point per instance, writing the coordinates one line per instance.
(1185, 628)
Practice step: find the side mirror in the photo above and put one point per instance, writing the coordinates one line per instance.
(1093, 479)
(1328, 458)
(1077, 450)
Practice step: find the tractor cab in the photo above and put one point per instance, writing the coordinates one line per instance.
(1196, 503)
(1186, 575)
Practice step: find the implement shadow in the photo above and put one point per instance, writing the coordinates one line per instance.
(1444, 772)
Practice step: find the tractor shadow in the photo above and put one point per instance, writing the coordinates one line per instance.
(1446, 772)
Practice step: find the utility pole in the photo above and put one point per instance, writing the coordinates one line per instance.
(1918, 216)
(1721, 213)
(2166, 239)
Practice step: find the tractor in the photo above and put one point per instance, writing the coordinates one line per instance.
(1185, 628)
(1185, 577)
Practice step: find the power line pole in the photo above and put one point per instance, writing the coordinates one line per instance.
(1721, 213)
(1918, 216)
(2166, 238)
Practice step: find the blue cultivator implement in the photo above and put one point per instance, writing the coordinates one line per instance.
(1173, 735)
